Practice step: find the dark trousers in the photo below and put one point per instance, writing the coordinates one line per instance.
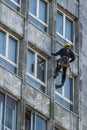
(58, 68)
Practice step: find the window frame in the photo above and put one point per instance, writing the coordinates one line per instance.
(5, 57)
(62, 95)
(35, 67)
(37, 14)
(64, 27)
(15, 3)
(4, 111)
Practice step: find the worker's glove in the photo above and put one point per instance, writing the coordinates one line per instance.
(53, 53)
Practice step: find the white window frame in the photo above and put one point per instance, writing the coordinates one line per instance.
(62, 95)
(15, 3)
(37, 13)
(35, 73)
(64, 27)
(6, 50)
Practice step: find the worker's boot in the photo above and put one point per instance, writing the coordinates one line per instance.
(56, 74)
(59, 86)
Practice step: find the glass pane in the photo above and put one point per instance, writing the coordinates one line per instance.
(43, 11)
(33, 6)
(60, 23)
(1, 109)
(68, 89)
(10, 119)
(69, 30)
(35, 84)
(58, 82)
(37, 23)
(40, 123)
(60, 39)
(17, 1)
(41, 67)
(28, 121)
(12, 50)
(11, 4)
(63, 102)
(2, 42)
(8, 66)
(31, 62)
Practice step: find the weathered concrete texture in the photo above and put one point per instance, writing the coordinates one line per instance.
(39, 39)
(82, 111)
(52, 17)
(65, 118)
(37, 100)
(11, 19)
(69, 5)
(10, 82)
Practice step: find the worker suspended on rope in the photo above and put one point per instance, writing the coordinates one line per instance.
(66, 56)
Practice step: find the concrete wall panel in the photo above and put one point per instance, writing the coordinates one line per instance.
(39, 39)
(11, 19)
(37, 100)
(65, 118)
(69, 5)
(10, 82)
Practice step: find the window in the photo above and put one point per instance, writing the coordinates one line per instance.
(28, 121)
(8, 110)
(35, 122)
(64, 28)
(8, 51)
(36, 70)
(38, 13)
(64, 95)
(15, 4)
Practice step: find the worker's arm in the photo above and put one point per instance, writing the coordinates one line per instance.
(57, 53)
(72, 57)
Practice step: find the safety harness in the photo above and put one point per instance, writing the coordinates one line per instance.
(64, 61)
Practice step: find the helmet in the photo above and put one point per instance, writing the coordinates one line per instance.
(67, 45)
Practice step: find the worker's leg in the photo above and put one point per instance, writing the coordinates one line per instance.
(57, 69)
(64, 75)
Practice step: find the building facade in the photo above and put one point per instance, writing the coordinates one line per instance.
(30, 30)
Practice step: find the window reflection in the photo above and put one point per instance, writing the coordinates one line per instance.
(12, 50)
(12, 4)
(38, 14)
(40, 123)
(28, 121)
(64, 28)
(2, 42)
(43, 11)
(34, 122)
(32, 7)
(68, 87)
(8, 110)
(41, 69)
(8, 51)
(36, 70)
(69, 30)
(30, 62)
(64, 95)
(10, 120)
(1, 110)
(60, 23)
